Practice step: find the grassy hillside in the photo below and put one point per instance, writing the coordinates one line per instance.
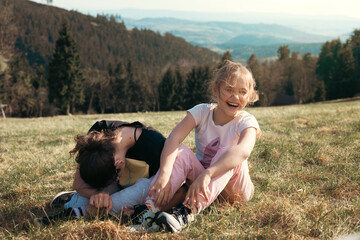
(305, 169)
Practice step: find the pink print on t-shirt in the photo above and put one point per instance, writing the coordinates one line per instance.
(210, 151)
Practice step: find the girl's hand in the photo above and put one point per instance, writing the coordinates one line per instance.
(162, 188)
(102, 200)
(196, 188)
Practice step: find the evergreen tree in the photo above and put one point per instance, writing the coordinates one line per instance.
(283, 53)
(320, 93)
(117, 91)
(256, 69)
(197, 83)
(285, 64)
(354, 43)
(166, 90)
(336, 67)
(178, 100)
(21, 93)
(65, 78)
(344, 73)
(225, 56)
(133, 96)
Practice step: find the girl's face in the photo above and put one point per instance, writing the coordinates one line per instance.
(119, 163)
(232, 99)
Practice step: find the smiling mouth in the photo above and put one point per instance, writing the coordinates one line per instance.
(232, 104)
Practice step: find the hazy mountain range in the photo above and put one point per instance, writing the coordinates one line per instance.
(243, 33)
(334, 26)
(205, 33)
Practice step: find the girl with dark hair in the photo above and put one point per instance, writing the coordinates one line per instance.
(101, 156)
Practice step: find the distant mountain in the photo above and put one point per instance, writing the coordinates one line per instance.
(333, 26)
(240, 39)
(253, 39)
(242, 52)
(206, 33)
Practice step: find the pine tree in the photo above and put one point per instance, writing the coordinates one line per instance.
(256, 69)
(117, 90)
(65, 77)
(197, 83)
(354, 42)
(283, 53)
(166, 90)
(285, 64)
(179, 88)
(133, 96)
(225, 56)
(22, 94)
(345, 69)
(336, 67)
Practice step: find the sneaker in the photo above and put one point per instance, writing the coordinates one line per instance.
(143, 219)
(176, 219)
(61, 198)
(65, 214)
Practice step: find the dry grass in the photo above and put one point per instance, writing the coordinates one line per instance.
(305, 169)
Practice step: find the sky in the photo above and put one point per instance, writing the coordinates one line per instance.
(344, 8)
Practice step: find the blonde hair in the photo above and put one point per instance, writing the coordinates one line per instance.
(230, 73)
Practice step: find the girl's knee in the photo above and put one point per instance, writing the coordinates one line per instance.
(248, 196)
(240, 197)
(218, 154)
(239, 194)
(185, 154)
(184, 150)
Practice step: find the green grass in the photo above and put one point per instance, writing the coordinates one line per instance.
(305, 168)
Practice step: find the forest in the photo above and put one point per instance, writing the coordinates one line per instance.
(54, 61)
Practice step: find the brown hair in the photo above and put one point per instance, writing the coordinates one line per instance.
(230, 73)
(95, 155)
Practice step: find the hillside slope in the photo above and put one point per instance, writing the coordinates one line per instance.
(100, 41)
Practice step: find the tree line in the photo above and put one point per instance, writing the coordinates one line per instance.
(66, 85)
(29, 32)
(290, 79)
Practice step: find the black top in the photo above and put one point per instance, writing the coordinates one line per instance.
(147, 148)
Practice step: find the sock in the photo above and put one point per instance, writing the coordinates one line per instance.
(194, 210)
(151, 206)
(80, 212)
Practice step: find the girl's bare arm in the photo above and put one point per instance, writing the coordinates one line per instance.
(229, 160)
(162, 186)
(81, 187)
(235, 155)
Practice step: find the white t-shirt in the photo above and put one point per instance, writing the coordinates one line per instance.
(209, 138)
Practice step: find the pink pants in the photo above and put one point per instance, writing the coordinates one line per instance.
(234, 185)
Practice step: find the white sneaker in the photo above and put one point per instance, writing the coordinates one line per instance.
(61, 198)
(144, 222)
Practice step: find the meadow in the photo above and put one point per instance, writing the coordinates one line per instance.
(305, 168)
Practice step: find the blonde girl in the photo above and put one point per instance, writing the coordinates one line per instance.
(225, 135)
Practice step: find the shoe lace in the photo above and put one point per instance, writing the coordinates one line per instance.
(181, 213)
(138, 211)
